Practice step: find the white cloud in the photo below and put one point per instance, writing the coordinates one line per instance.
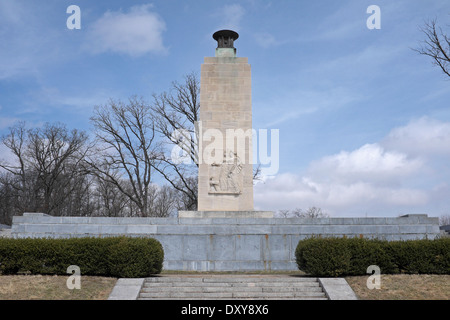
(232, 16)
(386, 179)
(6, 122)
(288, 191)
(135, 33)
(310, 101)
(53, 96)
(424, 137)
(370, 162)
(265, 39)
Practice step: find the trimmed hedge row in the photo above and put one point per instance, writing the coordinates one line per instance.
(333, 257)
(116, 256)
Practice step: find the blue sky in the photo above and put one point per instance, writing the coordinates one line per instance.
(364, 120)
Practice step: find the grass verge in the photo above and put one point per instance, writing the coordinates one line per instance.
(40, 287)
(403, 287)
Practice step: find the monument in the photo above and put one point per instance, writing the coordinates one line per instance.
(225, 179)
(225, 175)
(226, 234)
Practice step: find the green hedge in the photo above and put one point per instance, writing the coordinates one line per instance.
(332, 257)
(115, 256)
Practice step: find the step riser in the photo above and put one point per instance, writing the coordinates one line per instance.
(228, 280)
(233, 295)
(217, 288)
(229, 285)
(218, 299)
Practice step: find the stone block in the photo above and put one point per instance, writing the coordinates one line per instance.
(104, 220)
(388, 229)
(194, 248)
(252, 265)
(17, 228)
(35, 214)
(253, 229)
(312, 229)
(172, 245)
(286, 229)
(221, 247)
(38, 228)
(281, 265)
(64, 228)
(74, 220)
(113, 229)
(248, 247)
(275, 247)
(141, 229)
(428, 220)
(341, 229)
(18, 219)
(413, 229)
(162, 221)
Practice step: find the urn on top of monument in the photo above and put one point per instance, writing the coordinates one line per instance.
(225, 43)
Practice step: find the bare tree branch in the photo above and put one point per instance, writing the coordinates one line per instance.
(436, 45)
(125, 135)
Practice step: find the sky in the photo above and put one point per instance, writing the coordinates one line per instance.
(363, 119)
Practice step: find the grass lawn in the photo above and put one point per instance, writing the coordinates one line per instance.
(39, 287)
(403, 287)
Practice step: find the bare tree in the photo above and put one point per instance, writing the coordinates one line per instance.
(9, 203)
(177, 113)
(284, 213)
(47, 168)
(109, 200)
(436, 45)
(127, 150)
(444, 220)
(312, 212)
(165, 201)
(56, 156)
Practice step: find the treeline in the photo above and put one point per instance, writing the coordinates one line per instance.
(123, 167)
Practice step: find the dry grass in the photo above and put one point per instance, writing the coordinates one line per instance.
(403, 287)
(40, 287)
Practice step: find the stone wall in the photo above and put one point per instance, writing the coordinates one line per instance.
(227, 244)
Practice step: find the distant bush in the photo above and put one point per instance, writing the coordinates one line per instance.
(115, 256)
(333, 257)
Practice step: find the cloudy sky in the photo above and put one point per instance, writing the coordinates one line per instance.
(364, 121)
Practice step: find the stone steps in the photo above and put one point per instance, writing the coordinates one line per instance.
(226, 287)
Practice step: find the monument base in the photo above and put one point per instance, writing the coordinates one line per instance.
(226, 244)
(225, 214)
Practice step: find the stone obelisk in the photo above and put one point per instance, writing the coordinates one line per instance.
(225, 181)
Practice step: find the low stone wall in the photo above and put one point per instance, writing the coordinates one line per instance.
(227, 244)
